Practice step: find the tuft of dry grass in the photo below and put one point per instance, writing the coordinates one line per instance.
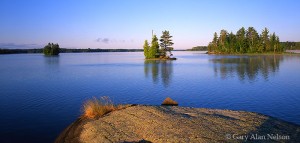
(169, 102)
(97, 107)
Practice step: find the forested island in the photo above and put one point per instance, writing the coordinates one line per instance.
(288, 45)
(154, 52)
(245, 41)
(51, 49)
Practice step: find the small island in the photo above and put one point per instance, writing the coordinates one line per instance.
(245, 41)
(153, 52)
(51, 49)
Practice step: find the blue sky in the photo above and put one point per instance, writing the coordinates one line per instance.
(127, 23)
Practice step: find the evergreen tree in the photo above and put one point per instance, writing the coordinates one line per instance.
(166, 43)
(265, 40)
(222, 40)
(273, 42)
(212, 46)
(241, 40)
(252, 40)
(146, 49)
(260, 45)
(277, 45)
(232, 43)
(55, 49)
(154, 49)
(215, 41)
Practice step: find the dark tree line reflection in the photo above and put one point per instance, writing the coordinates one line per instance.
(159, 69)
(249, 67)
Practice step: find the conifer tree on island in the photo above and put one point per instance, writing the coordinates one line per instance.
(146, 49)
(166, 43)
(154, 47)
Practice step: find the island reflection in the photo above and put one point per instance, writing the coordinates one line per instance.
(247, 67)
(159, 69)
(51, 60)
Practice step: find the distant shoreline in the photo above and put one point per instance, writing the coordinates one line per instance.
(65, 50)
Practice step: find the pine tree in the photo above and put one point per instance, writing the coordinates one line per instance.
(273, 42)
(231, 42)
(154, 49)
(252, 39)
(146, 49)
(215, 42)
(222, 40)
(241, 40)
(166, 43)
(265, 40)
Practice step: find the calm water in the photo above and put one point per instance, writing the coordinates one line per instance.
(40, 96)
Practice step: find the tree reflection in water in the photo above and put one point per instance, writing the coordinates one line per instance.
(247, 67)
(51, 60)
(159, 69)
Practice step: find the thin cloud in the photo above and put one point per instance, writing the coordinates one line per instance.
(112, 41)
(103, 40)
(19, 46)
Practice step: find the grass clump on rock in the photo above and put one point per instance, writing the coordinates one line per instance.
(97, 107)
(169, 102)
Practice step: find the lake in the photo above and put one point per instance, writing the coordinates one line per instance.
(40, 96)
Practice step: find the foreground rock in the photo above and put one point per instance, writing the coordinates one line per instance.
(180, 124)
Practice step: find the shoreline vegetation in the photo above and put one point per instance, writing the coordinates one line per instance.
(97, 107)
(245, 41)
(147, 123)
(253, 54)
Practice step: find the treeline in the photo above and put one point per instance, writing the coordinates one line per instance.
(198, 48)
(291, 45)
(245, 41)
(64, 50)
(20, 51)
